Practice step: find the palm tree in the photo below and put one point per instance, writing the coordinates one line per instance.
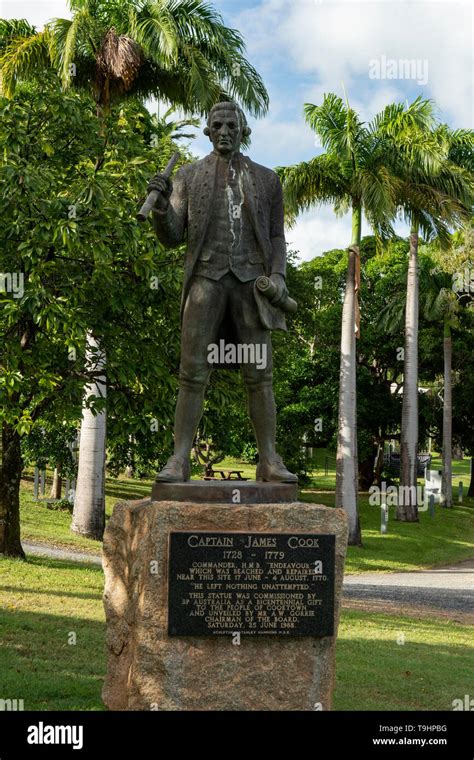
(351, 174)
(172, 128)
(443, 305)
(396, 126)
(88, 517)
(371, 169)
(435, 193)
(438, 303)
(177, 50)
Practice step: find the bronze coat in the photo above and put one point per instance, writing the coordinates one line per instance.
(190, 206)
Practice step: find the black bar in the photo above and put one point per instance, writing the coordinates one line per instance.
(326, 734)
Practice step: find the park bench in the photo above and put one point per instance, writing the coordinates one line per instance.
(393, 463)
(211, 474)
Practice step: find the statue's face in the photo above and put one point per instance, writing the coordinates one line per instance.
(225, 131)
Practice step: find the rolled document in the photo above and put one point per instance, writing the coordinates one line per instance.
(153, 196)
(269, 290)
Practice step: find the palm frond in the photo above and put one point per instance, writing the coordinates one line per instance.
(338, 126)
(200, 27)
(245, 85)
(80, 5)
(398, 118)
(173, 128)
(377, 188)
(202, 82)
(441, 303)
(312, 183)
(11, 29)
(165, 83)
(392, 316)
(154, 28)
(328, 120)
(460, 146)
(70, 40)
(410, 130)
(23, 58)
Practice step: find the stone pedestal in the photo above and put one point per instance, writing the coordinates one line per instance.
(149, 670)
(226, 492)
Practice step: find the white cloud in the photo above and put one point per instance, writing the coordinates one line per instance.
(367, 106)
(37, 13)
(278, 141)
(304, 48)
(324, 45)
(334, 41)
(317, 231)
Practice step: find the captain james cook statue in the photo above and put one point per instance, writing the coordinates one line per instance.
(231, 211)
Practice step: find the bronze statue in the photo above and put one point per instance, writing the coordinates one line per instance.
(231, 211)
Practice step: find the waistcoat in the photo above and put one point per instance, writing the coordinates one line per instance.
(230, 244)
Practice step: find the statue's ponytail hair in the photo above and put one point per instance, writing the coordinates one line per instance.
(229, 105)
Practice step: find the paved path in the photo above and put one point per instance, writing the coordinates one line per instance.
(46, 550)
(448, 589)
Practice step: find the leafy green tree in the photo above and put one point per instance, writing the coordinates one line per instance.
(69, 238)
(463, 401)
(306, 360)
(351, 174)
(52, 442)
(442, 306)
(452, 307)
(461, 258)
(375, 169)
(177, 50)
(434, 166)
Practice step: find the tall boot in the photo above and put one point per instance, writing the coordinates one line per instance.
(187, 416)
(262, 411)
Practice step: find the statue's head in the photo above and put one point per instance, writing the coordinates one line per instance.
(226, 126)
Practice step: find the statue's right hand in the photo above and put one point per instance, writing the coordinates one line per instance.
(162, 185)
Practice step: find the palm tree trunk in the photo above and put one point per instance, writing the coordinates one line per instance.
(346, 459)
(407, 509)
(89, 507)
(56, 486)
(130, 468)
(89, 503)
(446, 479)
(379, 463)
(471, 484)
(11, 466)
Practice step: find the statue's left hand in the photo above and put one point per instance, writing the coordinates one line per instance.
(280, 283)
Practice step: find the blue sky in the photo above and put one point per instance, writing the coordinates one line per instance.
(304, 48)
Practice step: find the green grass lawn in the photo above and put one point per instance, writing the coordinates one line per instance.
(374, 672)
(461, 469)
(38, 523)
(44, 601)
(445, 538)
